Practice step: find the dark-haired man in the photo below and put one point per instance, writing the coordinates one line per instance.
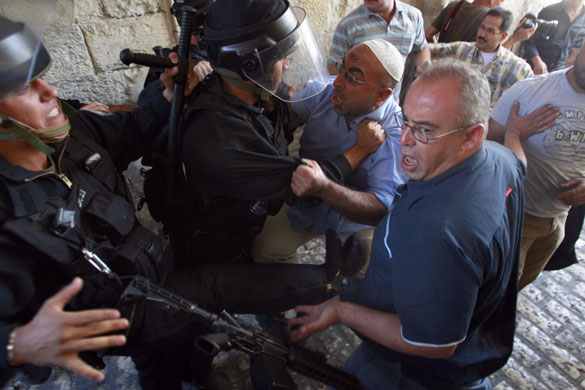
(502, 67)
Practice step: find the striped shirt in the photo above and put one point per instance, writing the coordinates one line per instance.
(502, 71)
(405, 31)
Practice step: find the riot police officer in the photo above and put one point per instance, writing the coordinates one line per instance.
(235, 133)
(62, 200)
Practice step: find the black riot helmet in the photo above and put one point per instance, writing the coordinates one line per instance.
(268, 42)
(23, 57)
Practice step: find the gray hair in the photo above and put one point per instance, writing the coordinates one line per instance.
(474, 89)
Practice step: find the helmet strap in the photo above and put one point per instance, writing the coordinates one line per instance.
(234, 79)
(37, 138)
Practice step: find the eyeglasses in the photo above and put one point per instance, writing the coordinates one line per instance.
(421, 134)
(351, 78)
(489, 30)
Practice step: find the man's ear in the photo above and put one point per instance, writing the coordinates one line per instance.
(382, 95)
(504, 37)
(474, 137)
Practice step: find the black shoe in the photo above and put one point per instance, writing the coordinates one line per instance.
(355, 254)
(347, 259)
(333, 254)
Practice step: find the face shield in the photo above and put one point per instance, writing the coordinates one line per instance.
(22, 26)
(285, 68)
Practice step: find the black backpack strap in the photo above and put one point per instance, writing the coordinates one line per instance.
(449, 21)
(90, 155)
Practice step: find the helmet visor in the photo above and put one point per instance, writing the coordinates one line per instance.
(22, 55)
(288, 65)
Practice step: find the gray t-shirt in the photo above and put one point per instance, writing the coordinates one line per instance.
(556, 155)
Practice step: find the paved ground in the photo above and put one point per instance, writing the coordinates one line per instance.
(549, 351)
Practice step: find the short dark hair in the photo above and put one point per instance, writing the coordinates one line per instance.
(503, 13)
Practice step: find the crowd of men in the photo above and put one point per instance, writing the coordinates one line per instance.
(454, 224)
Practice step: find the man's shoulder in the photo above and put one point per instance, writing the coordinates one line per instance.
(538, 82)
(360, 12)
(410, 10)
(508, 57)
(500, 154)
(459, 49)
(556, 7)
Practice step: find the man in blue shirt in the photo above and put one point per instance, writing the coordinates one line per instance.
(357, 100)
(437, 306)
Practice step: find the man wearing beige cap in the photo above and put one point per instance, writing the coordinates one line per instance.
(359, 98)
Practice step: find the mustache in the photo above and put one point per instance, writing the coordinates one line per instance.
(338, 91)
(481, 39)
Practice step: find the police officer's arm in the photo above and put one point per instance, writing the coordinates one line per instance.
(127, 135)
(359, 206)
(384, 328)
(48, 338)
(55, 337)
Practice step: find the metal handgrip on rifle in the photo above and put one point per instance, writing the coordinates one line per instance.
(128, 57)
(269, 351)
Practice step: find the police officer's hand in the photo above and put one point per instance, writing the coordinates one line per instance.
(96, 106)
(370, 135)
(573, 192)
(309, 180)
(202, 69)
(54, 337)
(316, 319)
(168, 77)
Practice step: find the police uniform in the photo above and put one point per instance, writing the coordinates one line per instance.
(48, 217)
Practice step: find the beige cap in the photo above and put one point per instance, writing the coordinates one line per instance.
(389, 57)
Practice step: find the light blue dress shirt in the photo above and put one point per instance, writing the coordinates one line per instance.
(326, 136)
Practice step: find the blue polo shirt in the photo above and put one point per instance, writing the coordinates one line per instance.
(327, 135)
(447, 263)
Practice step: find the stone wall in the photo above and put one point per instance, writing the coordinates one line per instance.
(85, 53)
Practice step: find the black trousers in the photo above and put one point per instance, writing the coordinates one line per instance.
(565, 254)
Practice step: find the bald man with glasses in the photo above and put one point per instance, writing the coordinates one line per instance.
(356, 102)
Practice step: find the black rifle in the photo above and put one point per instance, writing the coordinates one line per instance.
(270, 355)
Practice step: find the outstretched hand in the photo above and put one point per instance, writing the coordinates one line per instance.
(55, 337)
(316, 319)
